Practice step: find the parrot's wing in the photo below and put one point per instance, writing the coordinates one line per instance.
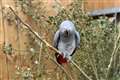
(56, 39)
(77, 37)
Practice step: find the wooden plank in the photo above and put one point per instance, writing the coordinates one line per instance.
(91, 5)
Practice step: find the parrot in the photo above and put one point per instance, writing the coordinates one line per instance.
(66, 40)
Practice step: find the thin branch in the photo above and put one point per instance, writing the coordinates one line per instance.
(48, 45)
(80, 70)
(40, 53)
(41, 46)
(112, 56)
(92, 62)
(114, 50)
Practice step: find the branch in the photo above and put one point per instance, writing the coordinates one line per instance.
(80, 70)
(115, 47)
(48, 45)
(40, 53)
(112, 56)
(29, 27)
(92, 62)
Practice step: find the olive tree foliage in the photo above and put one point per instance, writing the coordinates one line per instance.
(98, 41)
(99, 53)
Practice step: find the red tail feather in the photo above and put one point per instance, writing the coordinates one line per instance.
(61, 60)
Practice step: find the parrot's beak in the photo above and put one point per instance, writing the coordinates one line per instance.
(66, 33)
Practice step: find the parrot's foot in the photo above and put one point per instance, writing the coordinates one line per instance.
(69, 58)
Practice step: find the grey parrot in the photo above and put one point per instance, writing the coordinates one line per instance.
(66, 40)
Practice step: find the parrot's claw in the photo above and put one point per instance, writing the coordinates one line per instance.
(63, 55)
(69, 58)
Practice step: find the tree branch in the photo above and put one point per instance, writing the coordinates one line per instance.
(48, 45)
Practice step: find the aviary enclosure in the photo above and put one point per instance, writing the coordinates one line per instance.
(26, 37)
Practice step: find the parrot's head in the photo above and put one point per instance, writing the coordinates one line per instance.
(67, 28)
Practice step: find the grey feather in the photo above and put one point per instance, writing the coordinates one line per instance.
(77, 36)
(56, 39)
